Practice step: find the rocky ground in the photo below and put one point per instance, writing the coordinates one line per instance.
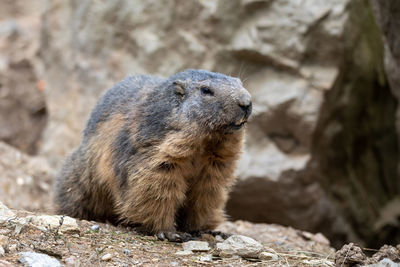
(52, 240)
(30, 233)
(81, 243)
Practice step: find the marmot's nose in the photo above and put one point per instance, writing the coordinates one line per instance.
(245, 106)
(245, 103)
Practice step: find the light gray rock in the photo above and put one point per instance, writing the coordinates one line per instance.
(5, 213)
(2, 251)
(64, 224)
(384, 263)
(95, 227)
(240, 245)
(199, 246)
(206, 258)
(184, 253)
(33, 259)
(106, 257)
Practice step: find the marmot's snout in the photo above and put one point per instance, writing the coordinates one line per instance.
(245, 105)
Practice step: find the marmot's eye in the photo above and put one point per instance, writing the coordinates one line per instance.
(206, 91)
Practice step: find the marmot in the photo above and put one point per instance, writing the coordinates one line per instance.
(159, 153)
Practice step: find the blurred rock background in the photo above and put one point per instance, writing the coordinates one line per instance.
(322, 150)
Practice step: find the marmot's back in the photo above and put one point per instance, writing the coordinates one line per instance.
(158, 152)
(120, 98)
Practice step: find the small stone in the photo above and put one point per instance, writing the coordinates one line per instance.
(127, 252)
(320, 238)
(5, 264)
(387, 252)
(219, 238)
(268, 256)
(206, 258)
(12, 248)
(95, 227)
(5, 213)
(70, 261)
(349, 254)
(106, 257)
(174, 263)
(384, 263)
(240, 245)
(184, 253)
(4, 241)
(33, 259)
(199, 246)
(2, 251)
(64, 224)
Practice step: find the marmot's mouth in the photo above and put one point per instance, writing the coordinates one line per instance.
(238, 125)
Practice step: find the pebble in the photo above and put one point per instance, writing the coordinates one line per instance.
(13, 248)
(33, 259)
(136, 262)
(219, 238)
(240, 245)
(268, 256)
(4, 240)
(174, 263)
(384, 263)
(95, 227)
(106, 257)
(5, 213)
(184, 253)
(52, 222)
(2, 251)
(70, 261)
(206, 258)
(127, 252)
(200, 246)
(5, 264)
(320, 238)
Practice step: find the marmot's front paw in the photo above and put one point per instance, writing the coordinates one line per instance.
(211, 232)
(173, 236)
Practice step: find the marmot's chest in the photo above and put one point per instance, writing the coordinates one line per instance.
(198, 166)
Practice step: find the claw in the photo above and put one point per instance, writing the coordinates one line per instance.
(211, 232)
(161, 236)
(174, 236)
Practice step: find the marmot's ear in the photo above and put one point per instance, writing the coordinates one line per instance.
(179, 87)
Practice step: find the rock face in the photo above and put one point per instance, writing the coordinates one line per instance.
(355, 149)
(387, 16)
(23, 112)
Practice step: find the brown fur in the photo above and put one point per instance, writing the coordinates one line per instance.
(176, 179)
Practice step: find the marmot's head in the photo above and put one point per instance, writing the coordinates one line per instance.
(210, 101)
